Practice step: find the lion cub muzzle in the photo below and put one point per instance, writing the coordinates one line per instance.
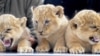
(94, 39)
(7, 42)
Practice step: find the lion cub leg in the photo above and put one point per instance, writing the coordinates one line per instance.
(43, 46)
(2, 48)
(96, 48)
(75, 47)
(60, 46)
(24, 46)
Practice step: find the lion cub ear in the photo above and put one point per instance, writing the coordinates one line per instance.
(59, 11)
(23, 21)
(32, 8)
(74, 24)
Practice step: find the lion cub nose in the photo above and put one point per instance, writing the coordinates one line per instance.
(41, 32)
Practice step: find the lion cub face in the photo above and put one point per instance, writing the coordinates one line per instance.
(11, 29)
(46, 19)
(86, 25)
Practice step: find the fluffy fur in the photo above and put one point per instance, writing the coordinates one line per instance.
(13, 32)
(83, 32)
(50, 24)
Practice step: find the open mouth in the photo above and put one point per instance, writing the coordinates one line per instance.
(7, 42)
(94, 39)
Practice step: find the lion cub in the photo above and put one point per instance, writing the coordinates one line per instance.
(13, 31)
(83, 32)
(50, 24)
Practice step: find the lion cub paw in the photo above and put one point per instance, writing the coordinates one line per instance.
(25, 49)
(2, 49)
(96, 49)
(60, 49)
(42, 49)
(77, 50)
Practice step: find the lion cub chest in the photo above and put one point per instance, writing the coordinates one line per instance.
(57, 35)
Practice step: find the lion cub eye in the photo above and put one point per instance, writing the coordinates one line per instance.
(47, 22)
(36, 22)
(7, 30)
(94, 27)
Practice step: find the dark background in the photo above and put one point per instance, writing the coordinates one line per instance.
(70, 6)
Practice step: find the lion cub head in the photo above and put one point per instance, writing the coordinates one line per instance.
(86, 26)
(46, 18)
(11, 29)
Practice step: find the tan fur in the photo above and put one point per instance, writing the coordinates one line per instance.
(18, 32)
(53, 32)
(84, 25)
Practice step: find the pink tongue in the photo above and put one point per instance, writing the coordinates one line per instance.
(7, 43)
(96, 39)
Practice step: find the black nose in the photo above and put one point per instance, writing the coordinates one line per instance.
(41, 32)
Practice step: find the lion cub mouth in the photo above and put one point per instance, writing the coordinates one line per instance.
(94, 39)
(7, 42)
